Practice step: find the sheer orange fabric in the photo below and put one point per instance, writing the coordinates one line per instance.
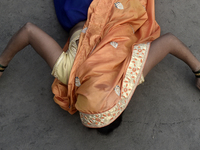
(106, 45)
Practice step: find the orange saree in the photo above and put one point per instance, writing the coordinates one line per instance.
(113, 48)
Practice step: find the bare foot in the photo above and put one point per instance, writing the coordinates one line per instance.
(198, 83)
(196, 72)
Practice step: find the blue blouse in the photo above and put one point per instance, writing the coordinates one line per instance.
(70, 12)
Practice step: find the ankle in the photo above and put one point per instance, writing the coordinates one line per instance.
(4, 62)
(196, 71)
(196, 68)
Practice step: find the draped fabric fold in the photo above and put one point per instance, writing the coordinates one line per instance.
(112, 52)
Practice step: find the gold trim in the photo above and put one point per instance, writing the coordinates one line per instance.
(130, 82)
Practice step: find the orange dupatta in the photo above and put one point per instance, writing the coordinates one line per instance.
(112, 51)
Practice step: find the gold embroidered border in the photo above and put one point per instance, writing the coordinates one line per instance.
(130, 82)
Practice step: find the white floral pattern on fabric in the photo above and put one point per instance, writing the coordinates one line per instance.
(117, 90)
(134, 69)
(77, 82)
(119, 5)
(84, 30)
(114, 44)
(129, 84)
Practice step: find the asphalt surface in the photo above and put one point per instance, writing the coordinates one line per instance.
(164, 113)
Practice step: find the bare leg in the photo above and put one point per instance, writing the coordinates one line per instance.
(43, 44)
(169, 44)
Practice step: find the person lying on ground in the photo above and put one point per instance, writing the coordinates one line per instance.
(106, 58)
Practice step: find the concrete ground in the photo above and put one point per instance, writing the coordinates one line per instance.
(164, 113)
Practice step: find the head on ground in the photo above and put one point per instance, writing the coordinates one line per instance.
(109, 128)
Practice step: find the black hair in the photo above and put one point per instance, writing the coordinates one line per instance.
(109, 128)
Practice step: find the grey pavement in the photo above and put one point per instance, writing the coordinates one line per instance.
(164, 113)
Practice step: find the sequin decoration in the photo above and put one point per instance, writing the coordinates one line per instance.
(144, 7)
(77, 82)
(114, 44)
(132, 29)
(119, 5)
(84, 30)
(129, 84)
(117, 90)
